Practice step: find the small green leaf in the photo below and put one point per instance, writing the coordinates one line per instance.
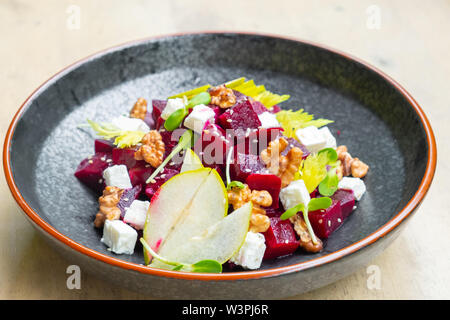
(292, 211)
(236, 184)
(178, 267)
(329, 185)
(201, 98)
(208, 266)
(319, 203)
(184, 143)
(331, 154)
(175, 119)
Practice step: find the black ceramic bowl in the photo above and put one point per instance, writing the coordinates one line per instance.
(378, 120)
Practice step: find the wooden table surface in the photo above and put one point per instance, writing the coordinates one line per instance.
(407, 39)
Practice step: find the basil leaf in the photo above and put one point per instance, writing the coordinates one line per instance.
(237, 184)
(175, 119)
(319, 203)
(292, 211)
(209, 266)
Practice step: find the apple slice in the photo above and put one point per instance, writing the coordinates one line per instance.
(184, 206)
(191, 161)
(218, 242)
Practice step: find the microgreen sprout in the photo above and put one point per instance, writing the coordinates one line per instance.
(313, 205)
(206, 266)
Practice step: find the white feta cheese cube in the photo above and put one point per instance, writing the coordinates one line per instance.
(130, 124)
(356, 184)
(172, 106)
(197, 119)
(117, 176)
(119, 237)
(311, 138)
(136, 214)
(329, 138)
(268, 120)
(252, 251)
(294, 194)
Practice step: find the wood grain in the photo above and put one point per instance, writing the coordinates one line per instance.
(411, 45)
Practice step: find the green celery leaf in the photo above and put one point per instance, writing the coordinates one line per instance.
(291, 121)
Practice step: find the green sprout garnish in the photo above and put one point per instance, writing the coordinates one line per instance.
(313, 205)
(184, 143)
(231, 184)
(206, 266)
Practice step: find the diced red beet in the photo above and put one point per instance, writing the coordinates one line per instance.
(169, 143)
(90, 171)
(159, 123)
(347, 200)
(217, 111)
(294, 143)
(127, 198)
(152, 188)
(258, 107)
(315, 193)
(324, 222)
(271, 212)
(280, 239)
(244, 165)
(239, 96)
(212, 146)
(106, 146)
(275, 109)
(268, 182)
(240, 118)
(140, 173)
(149, 120)
(158, 107)
(124, 156)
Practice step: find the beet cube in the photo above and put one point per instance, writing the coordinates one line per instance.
(244, 165)
(105, 146)
(212, 146)
(159, 123)
(90, 171)
(268, 182)
(127, 198)
(152, 188)
(124, 156)
(280, 239)
(240, 118)
(140, 173)
(158, 107)
(258, 107)
(347, 200)
(271, 212)
(326, 221)
(149, 120)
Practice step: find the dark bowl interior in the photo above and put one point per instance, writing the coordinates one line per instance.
(375, 121)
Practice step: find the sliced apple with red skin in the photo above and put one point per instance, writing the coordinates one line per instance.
(191, 161)
(184, 206)
(219, 242)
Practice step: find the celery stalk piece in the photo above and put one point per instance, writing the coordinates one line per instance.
(190, 93)
(235, 83)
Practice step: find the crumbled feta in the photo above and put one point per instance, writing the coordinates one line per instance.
(119, 237)
(356, 184)
(197, 119)
(268, 120)
(117, 176)
(136, 214)
(311, 138)
(329, 138)
(252, 251)
(172, 106)
(294, 194)
(130, 124)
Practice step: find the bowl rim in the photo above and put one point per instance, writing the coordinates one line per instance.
(328, 258)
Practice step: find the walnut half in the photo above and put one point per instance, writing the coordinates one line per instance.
(108, 206)
(139, 110)
(152, 149)
(222, 96)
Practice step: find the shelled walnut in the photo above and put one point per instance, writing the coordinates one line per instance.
(237, 197)
(305, 238)
(284, 167)
(139, 110)
(349, 165)
(108, 206)
(222, 96)
(152, 149)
